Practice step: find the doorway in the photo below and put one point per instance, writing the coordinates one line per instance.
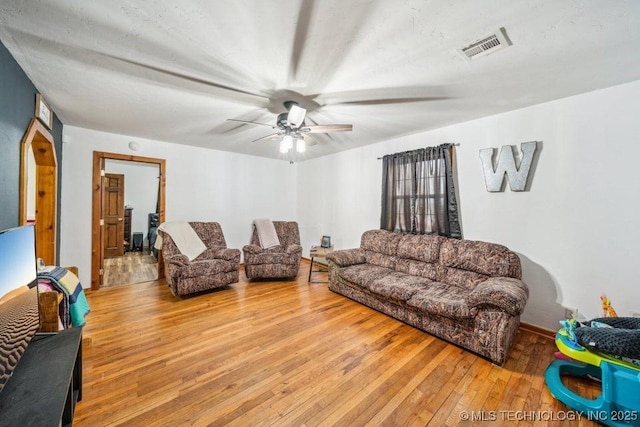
(113, 235)
(129, 211)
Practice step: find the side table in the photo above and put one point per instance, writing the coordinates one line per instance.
(317, 252)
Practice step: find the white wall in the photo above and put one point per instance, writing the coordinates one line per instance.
(208, 185)
(141, 182)
(576, 229)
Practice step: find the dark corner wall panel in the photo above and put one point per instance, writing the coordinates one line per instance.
(17, 106)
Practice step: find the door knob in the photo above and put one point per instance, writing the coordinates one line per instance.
(119, 219)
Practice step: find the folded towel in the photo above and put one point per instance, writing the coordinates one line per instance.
(266, 233)
(68, 283)
(185, 238)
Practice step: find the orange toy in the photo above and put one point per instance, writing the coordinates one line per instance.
(607, 309)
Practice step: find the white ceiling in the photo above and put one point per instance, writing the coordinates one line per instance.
(175, 71)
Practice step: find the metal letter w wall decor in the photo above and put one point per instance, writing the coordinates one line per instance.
(517, 177)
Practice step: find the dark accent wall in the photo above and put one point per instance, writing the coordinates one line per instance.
(17, 106)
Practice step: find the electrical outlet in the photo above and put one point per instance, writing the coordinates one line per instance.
(635, 314)
(569, 312)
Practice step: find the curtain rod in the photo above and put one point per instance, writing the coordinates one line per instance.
(455, 144)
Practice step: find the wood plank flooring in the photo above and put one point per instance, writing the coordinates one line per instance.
(286, 353)
(133, 267)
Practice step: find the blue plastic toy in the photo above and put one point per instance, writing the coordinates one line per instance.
(619, 402)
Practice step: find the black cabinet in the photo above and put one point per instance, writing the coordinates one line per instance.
(47, 382)
(128, 244)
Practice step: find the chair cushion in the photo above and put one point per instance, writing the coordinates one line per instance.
(207, 267)
(274, 257)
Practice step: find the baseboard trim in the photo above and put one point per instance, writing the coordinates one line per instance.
(538, 330)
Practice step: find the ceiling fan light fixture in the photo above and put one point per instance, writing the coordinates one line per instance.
(296, 115)
(301, 147)
(286, 143)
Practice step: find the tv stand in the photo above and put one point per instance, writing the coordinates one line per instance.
(46, 383)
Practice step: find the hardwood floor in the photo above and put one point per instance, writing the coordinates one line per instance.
(286, 353)
(133, 267)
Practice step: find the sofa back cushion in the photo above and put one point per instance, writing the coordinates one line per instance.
(428, 270)
(420, 247)
(483, 258)
(380, 247)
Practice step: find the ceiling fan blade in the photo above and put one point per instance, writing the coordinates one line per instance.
(327, 128)
(183, 76)
(380, 96)
(250, 122)
(309, 140)
(296, 116)
(273, 135)
(318, 124)
(300, 37)
(391, 101)
(234, 127)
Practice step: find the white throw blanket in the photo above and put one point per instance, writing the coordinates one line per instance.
(266, 233)
(184, 237)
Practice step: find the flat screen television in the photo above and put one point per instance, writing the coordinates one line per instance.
(19, 316)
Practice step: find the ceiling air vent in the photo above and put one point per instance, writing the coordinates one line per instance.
(486, 45)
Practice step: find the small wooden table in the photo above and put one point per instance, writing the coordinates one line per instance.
(318, 252)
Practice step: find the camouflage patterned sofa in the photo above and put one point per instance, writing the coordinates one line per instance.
(466, 292)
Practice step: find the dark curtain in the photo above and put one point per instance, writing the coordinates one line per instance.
(418, 193)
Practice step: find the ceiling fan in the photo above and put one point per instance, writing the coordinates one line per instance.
(291, 127)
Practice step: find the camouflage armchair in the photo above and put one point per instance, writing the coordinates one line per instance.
(217, 266)
(279, 262)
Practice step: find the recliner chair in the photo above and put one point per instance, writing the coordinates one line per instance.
(217, 266)
(279, 262)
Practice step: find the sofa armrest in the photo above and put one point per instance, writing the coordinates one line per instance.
(294, 249)
(252, 249)
(228, 254)
(505, 293)
(347, 257)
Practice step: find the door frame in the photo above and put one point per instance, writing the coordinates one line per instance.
(38, 139)
(97, 246)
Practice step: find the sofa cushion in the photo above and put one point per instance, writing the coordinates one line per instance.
(462, 278)
(485, 258)
(442, 299)
(364, 274)
(398, 286)
(422, 247)
(382, 241)
(380, 247)
(381, 260)
(426, 270)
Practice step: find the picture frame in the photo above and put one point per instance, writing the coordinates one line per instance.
(326, 242)
(43, 111)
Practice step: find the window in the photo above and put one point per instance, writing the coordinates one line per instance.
(418, 194)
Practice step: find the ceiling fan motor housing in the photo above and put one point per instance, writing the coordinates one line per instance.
(282, 121)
